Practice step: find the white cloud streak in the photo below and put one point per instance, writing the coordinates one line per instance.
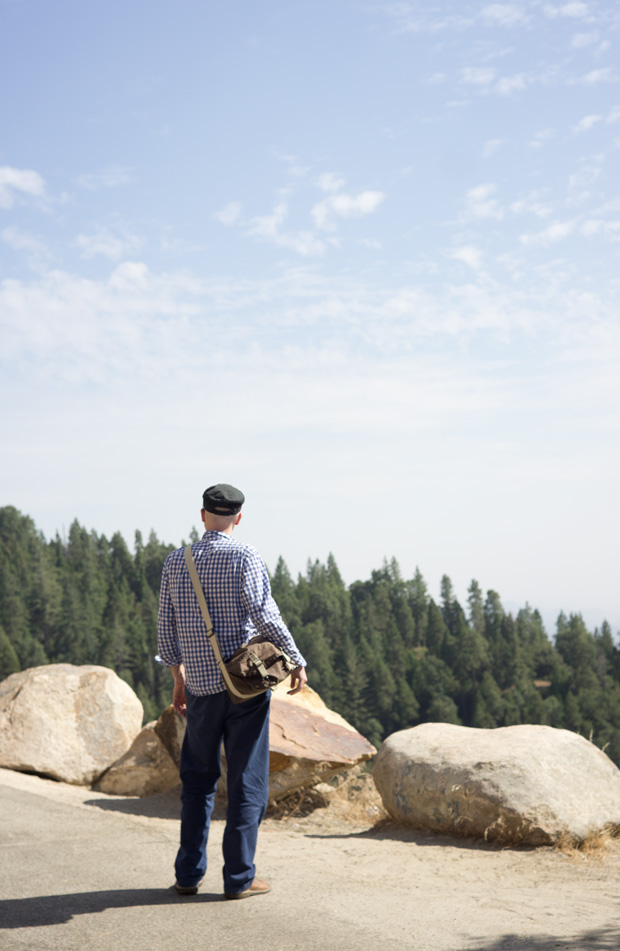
(556, 231)
(572, 10)
(69, 326)
(330, 182)
(492, 146)
(342, 205)
(35, 249)
(581, 40)
(229, 214)
(480, 203)
(111, 177)
(104, 243)
(469, 255)
(605, 75)
(269, 228)
(23, 181)
(587, 123)
(504, 14)
(478, 75)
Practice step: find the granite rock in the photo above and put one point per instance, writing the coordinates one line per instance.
(530, 785)
(67, 722)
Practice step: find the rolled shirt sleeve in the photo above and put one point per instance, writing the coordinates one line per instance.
(167, 639)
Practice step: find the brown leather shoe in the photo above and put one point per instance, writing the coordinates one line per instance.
(258, 887)
(187, 889)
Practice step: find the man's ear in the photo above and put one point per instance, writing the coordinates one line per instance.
(238, 519)
(202, 514)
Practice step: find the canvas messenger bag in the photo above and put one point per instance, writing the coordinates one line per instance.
(254, 668)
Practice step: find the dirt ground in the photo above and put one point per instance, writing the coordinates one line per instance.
(84, 871)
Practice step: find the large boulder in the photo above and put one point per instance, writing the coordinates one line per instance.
(308, 743)
(530, 785)
(145, 769)
(67, 722)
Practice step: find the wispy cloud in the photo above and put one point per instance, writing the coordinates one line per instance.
(229, 214)
(343, 205)
(436, 79)
(492, 146)
(19, 181)
(37, 252)
(410, 18)
(587, 123)
(556, 231)
(545, 135)
(468, 254)
(478, 75)
(111, 177)
(486, 79)
(531, 205)
(505, 14)
(480, 203)
(605, 75)
(330, 182)
(108, 245)
(581, 40)
(166, 316)
(269, 228)
(574, 10)
(597, 226)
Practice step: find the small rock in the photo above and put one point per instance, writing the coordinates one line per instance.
(170, 729)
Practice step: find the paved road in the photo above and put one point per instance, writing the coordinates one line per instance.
(80, 871)
(79, 877)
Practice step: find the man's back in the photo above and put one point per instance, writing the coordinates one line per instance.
(237, 591)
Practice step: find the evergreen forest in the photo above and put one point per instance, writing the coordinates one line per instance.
(382, 652)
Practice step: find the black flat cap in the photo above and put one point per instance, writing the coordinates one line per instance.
(222, 499)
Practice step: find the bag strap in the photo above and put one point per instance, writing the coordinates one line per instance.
(191, 567)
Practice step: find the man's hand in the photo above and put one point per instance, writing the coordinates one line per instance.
(178, 691)
(299, 679)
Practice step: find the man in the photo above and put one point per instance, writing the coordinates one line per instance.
(238, 595)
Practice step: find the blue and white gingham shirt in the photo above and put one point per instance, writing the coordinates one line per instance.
(238, 594)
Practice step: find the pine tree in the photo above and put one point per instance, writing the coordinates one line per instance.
(417, 594)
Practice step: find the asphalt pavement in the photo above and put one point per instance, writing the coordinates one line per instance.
(82, 872)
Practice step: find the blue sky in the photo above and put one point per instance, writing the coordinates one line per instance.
(360, 259)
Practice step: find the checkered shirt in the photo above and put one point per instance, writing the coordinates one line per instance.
(238, 594)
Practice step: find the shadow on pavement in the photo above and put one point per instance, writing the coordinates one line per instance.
(58, 909)
(387, 829)
(600, 939)
(165, 805)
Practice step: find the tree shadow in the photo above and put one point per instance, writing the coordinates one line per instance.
(386, 829)
(47, 910)
(598, 939)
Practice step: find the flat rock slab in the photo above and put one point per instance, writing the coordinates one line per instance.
(67, 722)
(528, 784)
(308, 742)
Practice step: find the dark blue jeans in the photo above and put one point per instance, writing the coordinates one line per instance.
(244, 728)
